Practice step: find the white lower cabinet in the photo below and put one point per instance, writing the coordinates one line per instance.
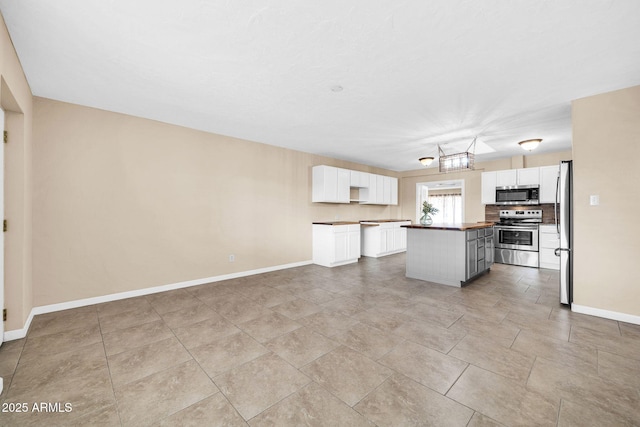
(549, 241)
(335, 245)
(383, 238)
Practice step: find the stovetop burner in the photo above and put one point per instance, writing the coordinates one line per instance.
(520, 217)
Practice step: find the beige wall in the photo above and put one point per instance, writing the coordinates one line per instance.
(16, 101)
(473, 208)
(123, 203)
(606, 149)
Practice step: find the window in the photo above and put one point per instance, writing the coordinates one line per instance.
(449, 207)
(446, 196)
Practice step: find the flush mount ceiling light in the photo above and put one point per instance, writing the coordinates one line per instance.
(458, 161)
(426, 161)
(529, 144)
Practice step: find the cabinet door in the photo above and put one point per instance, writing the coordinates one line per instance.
(488, 251)
(488, 188)
(386, 190)
(528, 176)
(325, 184)
(373, 189)
(548, 181)
(472, 258)
(379, 189)
(394, 191)
(397, 238)
(341, 245)
(344, 179)
(384, 240)
(354, 245)
(354, 180)
(506, 178)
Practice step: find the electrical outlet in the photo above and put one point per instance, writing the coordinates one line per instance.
(232, 258)
(594, 200)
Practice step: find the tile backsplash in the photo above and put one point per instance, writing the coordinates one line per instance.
(492, 212)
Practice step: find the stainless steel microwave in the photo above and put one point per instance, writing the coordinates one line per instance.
(518, 195)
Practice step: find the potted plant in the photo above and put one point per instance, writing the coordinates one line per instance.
(427, 210)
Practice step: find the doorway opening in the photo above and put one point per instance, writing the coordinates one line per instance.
(446, 196)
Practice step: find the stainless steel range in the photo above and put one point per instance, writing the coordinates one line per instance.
(516, 239)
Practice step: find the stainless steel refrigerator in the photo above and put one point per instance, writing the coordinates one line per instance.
(564, 226)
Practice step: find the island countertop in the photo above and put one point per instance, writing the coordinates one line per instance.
(377, 222)
(458, 226)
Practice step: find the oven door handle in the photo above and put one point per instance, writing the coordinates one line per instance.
(511, 227)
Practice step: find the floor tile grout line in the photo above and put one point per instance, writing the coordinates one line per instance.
(106, 358)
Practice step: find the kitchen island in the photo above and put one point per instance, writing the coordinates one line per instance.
(449, 254)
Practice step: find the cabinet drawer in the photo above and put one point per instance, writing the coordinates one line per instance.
(548, 240)
(548, 228)
(472, 234)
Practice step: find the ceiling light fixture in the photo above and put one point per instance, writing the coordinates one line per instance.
(458, 161)
(426, 161)
(529, 144)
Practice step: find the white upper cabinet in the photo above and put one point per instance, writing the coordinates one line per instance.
(506, 178)
(528, 176)
(330, 184)
(544, 176)
(548, 180)
(386, 190)
(379, 199)
(489, 188)
(344, 181)
(394, 191)
(359, 179)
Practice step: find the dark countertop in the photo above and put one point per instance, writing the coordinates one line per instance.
(384, 220)
(366, 222)
(457, 227)
(377, 222)
(337, 223)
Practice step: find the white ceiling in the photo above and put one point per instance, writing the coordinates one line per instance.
(414, 73)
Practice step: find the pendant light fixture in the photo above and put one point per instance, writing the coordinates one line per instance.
(529, 144)
(459, 161)
(453, 162)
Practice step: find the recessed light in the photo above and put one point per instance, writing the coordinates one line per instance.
(336, 88)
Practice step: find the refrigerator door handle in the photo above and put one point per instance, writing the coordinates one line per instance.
(557, 251)
(555, 204)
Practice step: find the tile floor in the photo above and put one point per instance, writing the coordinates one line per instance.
(348, 346)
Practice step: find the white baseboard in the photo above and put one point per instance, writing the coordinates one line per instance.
(21, 333)
(613, 315)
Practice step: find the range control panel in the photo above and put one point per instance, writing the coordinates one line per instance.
(521, 214)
